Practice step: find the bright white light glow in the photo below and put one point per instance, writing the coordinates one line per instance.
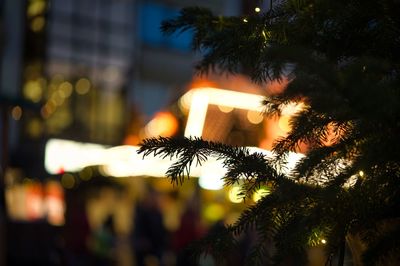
(234, 195)
(211, 176)
(260, 193)
(292, 108)
(225, 109)
(197, 114)
(65, 155)
(123, 161)
(197, 101)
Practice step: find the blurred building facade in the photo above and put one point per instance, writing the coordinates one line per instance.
(102, 72)
(91, 71)
(95, 70)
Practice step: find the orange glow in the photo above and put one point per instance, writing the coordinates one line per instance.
(131, 140)
(34, 201)
(16, 113)
(225, 109)
(201, 82)
(331, 136)
(276, 126)
(163, 124)
(54, 203)
(232, 82)
(276, 87)
(284, 123)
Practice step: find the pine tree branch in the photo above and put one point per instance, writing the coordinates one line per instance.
(239, 162)
(342, 62)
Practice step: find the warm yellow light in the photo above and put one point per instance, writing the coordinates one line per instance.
(82, 86)
(323, 241)
(35, 8)
(32, 91)
(284, 124)
(37, 24)
(257, 9)
(260, 193)
(48, 109)
(235, 99)
(66, 89)
(16, 112)
(197, 114)
(86, 174)
(185, 100)
(225, 109)
(35, 128)
(245, 20)
(361, 173)
(68, 180)
(58, 98)
(234, 196)
(214, 212)
(163, 124)
(57, 79)
(254, 117)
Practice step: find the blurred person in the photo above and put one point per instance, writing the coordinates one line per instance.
(103, 243)
(77, 232)
(149, 235)
(190, 229)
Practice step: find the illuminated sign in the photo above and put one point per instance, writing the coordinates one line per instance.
(197, 101)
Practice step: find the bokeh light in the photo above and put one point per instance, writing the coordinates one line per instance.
(37, 24)
(66, 89)
(68, 180)
(163, 124)
(234, 194)
(34, 128)
(33, 91)
(255, 117)
(82, 86)
(262, 192)
(214, 212)
(86, 174)
(225, 109)
(284, 123)
(16, 112)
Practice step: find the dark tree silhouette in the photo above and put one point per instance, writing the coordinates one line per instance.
(342, 62)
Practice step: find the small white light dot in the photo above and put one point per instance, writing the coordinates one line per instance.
(245, 20)
(323, 241)
(257, 9)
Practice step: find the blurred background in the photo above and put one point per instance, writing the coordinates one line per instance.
(82, 82)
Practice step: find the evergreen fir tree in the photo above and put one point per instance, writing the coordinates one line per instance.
(342, 62)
